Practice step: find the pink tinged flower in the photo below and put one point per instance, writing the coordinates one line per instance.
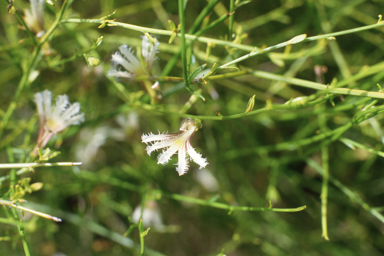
(175, 142)
(57, 118)
(126, 64)
(54, 119)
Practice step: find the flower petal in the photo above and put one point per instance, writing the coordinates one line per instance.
(148, 51)
(164, 157)
(159, 145)
(182, 165)
(127, 59)
(115, 73)
(145, 138)
(196, 157)
(47, 98)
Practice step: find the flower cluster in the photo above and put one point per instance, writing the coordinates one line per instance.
(175, 142)
(127, 60)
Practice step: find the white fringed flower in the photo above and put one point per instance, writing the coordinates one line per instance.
(125, 59)
(54, 119)
(175, 142)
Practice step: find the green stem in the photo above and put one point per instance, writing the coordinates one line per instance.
(32, 165)
(349, 193)
(41, 214)
(35, 58)
(183, 45)
(317, 86)
(208, 8)
(26, 167)
(230, 208)
(29, 32)
(216, 41)
(231, 19)
(324, 187)
(12, 185)
(142, 189)
(349, 142)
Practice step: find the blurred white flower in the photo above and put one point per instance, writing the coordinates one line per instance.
(175, 142)
(129, 124)
(207, 180)
(89, 143)
(151, 215)
(127, 60)
(54, 119)
(34, 18)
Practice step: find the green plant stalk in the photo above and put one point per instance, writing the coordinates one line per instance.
(324, 191)
(349, 193)
(160, 32)
(230, 208)
(284, 44)
(333, 45)
(183, 44)
(75, 56)
(143, 189)
(289, 145)
(9, 222)
(33, 165)
(34, 61)
(231, 19)
(12, 185)
(325, 137)
(141, 231)
(29, 32)
(41, 214)
(317, 86)
(207, 9)
(269, 108)
(229, 117)
(251, 49)
(27, 167)
(275, 14)
(358, 145)
(325, 164)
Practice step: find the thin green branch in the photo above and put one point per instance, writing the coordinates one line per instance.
(317, 86)
(230, 208)
(324, 191)
(160, 32)
(142, 189)
(348, 192)
(33, 165)
(182, 42)
(231, 19)
(41, 214)
(253, 50)
(352, 143)
(26, 167)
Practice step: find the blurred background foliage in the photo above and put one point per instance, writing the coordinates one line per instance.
(246, 167)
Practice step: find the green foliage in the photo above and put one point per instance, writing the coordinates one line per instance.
(286, 97)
